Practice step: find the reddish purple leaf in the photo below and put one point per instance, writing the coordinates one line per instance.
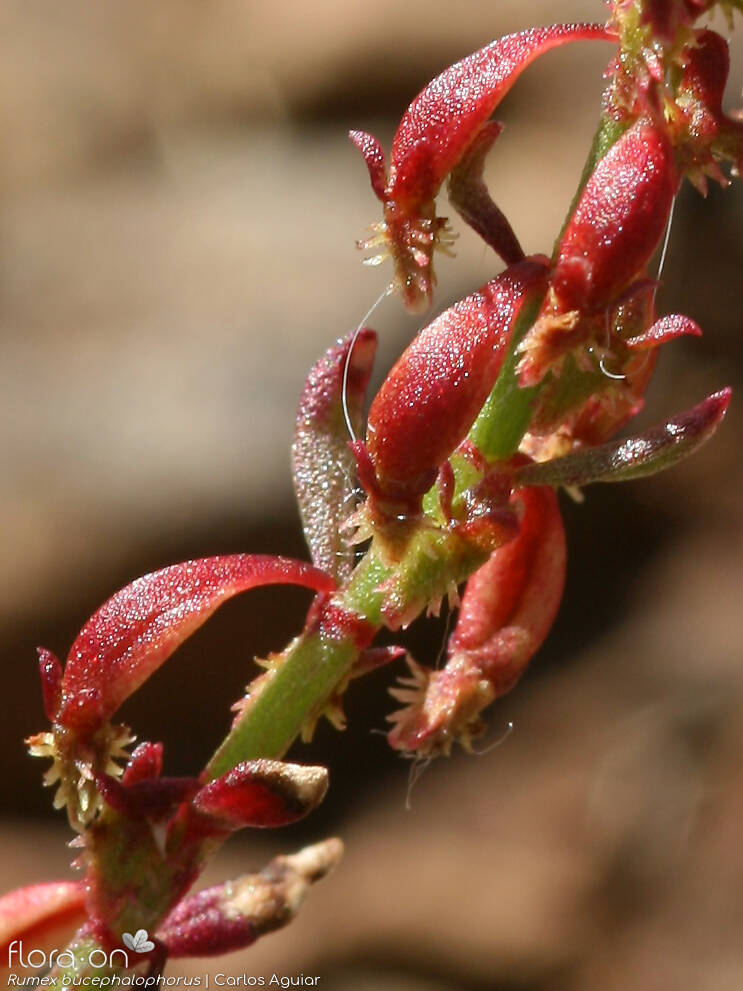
(634, 457)
(133, 633)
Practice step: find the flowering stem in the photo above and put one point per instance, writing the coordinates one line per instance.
(304, 678)
(536, 338)
(504, 419)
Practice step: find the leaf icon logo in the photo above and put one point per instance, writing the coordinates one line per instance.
(139, 942)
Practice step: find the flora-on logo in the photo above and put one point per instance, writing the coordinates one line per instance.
(38, 959)
(140, 942)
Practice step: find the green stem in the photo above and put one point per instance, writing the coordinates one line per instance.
(504, 419)
(305, 677)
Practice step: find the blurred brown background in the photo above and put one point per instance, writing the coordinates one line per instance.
(178, 206)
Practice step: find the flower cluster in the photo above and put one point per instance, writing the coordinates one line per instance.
(520, 386)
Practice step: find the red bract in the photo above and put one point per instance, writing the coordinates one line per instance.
(507, 610)
(705, 134)
(618, 222)
(444, 125)
(433, 394)
(145, 763)
(615, 228)
(519, 588)
(133, 633)
(666, 329)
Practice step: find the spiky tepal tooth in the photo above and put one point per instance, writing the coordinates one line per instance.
(51, 776)
(41, 745)
(86, 773)
(377, 237)
(271, 665)
(80, 845)
(335, 715)
(451, 593)
(120, 746)
(412, 688)
(446, 238)
(80, 861)
(44, 745)
(332, 711)
(75, 765)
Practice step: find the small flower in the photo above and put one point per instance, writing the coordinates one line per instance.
(507, 610)
(445, 133)
(122, 644)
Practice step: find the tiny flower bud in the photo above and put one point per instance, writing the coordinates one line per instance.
(152, 798)
(262, 793)
(233, 915)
